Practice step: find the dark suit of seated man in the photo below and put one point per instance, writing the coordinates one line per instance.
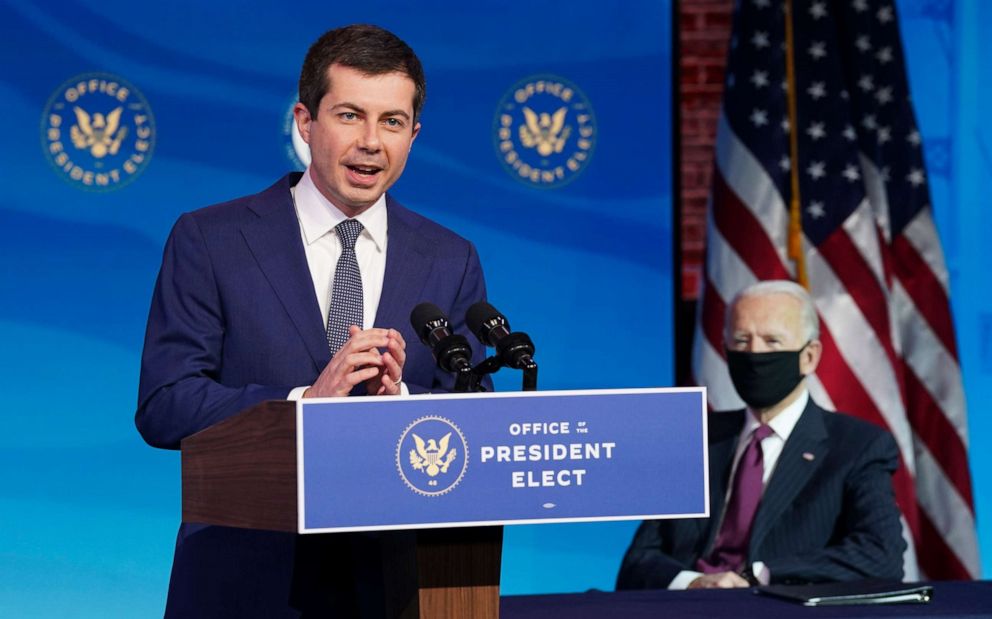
(797, 494)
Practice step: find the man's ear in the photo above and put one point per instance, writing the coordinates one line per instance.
(416, 132)
(302, 116)
(809, 357)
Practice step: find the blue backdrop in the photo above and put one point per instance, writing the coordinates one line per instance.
(88, 513)
(950, 59)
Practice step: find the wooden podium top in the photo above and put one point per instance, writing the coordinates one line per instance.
(242, 471)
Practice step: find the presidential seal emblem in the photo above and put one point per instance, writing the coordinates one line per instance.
(297, 151)
(545, 131)
(98, 131)
(432, 456)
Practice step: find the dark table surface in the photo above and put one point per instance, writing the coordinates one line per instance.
(950, 599)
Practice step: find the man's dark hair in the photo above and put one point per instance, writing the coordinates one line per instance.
(366, 48)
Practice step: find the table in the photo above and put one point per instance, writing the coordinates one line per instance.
(957, 600)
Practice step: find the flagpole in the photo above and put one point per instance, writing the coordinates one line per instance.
(795, 213)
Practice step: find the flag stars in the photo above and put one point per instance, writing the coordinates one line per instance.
(849, 133)
(913, 137)
(785, 164)
(863, 43)
(816, 132)
(885, 14)
(884, 135)
(884, 95)
(816, 210)
(759, 118)
(886, 173)
(869, 122)
(817, 90)
(785, 124)
(884, 55)
(760, 79)
(860, 5)
(762, 4)
(760, 39)
(851, 173)
(866, 83)
(817, 170)
(818, 50)
(818, 10)
(915, 177)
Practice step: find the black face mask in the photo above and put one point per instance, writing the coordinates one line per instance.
(764, 379)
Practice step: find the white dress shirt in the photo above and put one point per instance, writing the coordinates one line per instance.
(318, 216)
(771, 448)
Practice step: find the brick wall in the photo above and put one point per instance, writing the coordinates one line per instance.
(704, 30)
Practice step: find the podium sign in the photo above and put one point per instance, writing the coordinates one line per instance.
(452, 460)
(454, 463)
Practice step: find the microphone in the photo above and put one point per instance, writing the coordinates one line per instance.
(493, 329)
(451, 350)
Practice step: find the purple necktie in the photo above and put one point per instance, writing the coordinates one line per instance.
(730, 548)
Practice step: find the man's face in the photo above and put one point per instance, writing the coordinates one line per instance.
(361, 137)
(772, 322)
(765, 323)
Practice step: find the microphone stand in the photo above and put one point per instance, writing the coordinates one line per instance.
(530, 377)
(466, 381)
(469, 379)
(491, 366)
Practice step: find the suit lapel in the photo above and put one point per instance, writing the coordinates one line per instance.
(409, 258)
(275, 242)
(792, 471)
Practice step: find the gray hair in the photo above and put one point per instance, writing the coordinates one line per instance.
(808, 319)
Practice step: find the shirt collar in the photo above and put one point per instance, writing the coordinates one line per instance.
(318, 215)
(783, 423)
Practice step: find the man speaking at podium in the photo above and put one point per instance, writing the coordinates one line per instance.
(797, 494)
(304, 290)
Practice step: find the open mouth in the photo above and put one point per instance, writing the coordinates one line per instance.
(366, 171)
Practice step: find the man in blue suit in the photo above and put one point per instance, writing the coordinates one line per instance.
(304, 290)
(797, 494)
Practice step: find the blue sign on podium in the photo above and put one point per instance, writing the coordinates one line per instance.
(451, 460)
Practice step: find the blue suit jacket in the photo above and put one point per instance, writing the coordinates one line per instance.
(829, 518)
(234, 321)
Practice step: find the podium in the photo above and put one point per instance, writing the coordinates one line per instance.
(453, 467)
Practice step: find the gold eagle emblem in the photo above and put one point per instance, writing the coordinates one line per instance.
(432, 457)
(102, 135)
(546, 132)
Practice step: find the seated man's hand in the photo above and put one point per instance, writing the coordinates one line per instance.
(359, 360)
(719, 580)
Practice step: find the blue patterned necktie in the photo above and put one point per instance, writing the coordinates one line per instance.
(347, 307)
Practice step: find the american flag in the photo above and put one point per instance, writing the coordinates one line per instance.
(869, 250)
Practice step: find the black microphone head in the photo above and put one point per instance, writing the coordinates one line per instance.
(482, 318)
(425, 318)
(450, 350)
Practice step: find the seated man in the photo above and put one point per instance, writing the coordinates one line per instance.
(797, 494)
